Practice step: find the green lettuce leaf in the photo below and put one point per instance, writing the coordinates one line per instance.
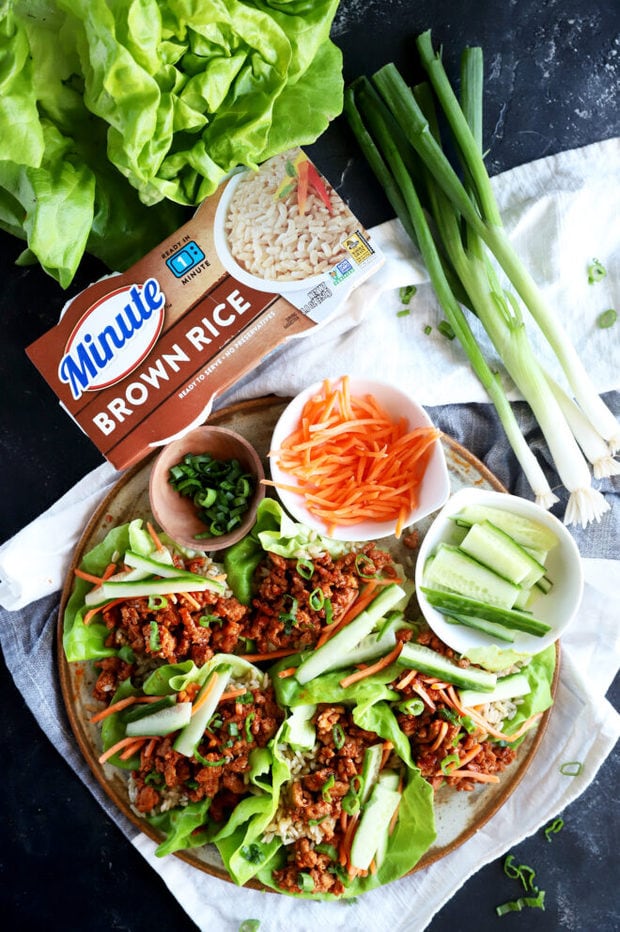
(116, 117)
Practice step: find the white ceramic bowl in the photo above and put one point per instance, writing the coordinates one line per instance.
(435, 486)
(557, 607)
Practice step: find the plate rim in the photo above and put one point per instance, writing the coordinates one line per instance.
(64, 668)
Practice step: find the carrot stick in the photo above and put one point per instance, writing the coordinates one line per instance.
(388, 747)
(154, 536)
(123, 743)
(270, 655)
(131, 749)
(373, 668)
(475, 775)
(89, 577)
(284, 674)
(122, 704)
(473, 752)
(90, 614)
(206, 692)
(233, 693)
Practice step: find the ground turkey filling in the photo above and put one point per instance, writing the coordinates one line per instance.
(197, 625)
(240, 724)
(311, 807)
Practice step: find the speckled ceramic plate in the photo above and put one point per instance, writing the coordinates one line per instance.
(458, 815)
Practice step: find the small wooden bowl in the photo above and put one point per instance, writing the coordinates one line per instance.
(176, 514)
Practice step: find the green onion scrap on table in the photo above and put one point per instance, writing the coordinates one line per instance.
(457, 227)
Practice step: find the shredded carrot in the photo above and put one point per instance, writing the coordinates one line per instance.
(373, 668)
(131, 749)
(90, 614)
(120, 745)
(441, 734)
(270, 655)
(284, 674)
(352, 462)
(89, 577)
(206, 692)
(233, 693)
(475, 775)
(192, 601)
(373, 867)
(122, 704)
(406, 679)
(394, 818)
(154, 536)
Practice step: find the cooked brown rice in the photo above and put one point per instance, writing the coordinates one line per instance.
(269, 238)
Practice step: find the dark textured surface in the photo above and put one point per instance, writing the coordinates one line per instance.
(552, 78)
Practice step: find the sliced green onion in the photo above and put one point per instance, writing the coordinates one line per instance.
(316, 599)
(607, 318)
(305, 882)
(154, 639)
(553, 828)
(157, 602)
(248, 727)
(522, 872)
(596, 271)
(571, 768)
(289, 619)
(206, 620)
(404, 312)
(428, 329)
(210, 763)
(126, 654)
(327, 787)
(249, 925)
(329, 850)
(305, 568)
(515, 906)
(446, 763)
(446, 330)
(411, 706)
(365, 567)
(406, 293)
(220, 490)
(339, 736)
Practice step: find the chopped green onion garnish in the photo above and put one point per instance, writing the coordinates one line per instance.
(154, 639)
(327, 787)
(607, 318)
(428, 329)
(596, 271)
(445, 329)
(250, 925)
(515, 906)
(157, 602)
(364, 566)
(316, 599)
(571, 768)
(446, 763)
(412, 706)
(305, 568)
(305, 882)
(404, 312)
(248, 726)
(553, 828)
(220, 490)
(126, 654)
(338, 736)
(205, 620)
(210, 763)
(406, 293)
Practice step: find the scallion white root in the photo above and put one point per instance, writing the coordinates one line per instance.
(590, 441)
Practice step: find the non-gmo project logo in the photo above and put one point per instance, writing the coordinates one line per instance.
(113, 337)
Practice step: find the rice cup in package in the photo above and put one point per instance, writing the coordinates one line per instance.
(138, 358)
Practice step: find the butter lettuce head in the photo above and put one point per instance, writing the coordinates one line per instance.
(116, 115)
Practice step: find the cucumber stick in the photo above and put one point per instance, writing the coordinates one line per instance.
(525, 531)
(424, 660)
(483, 624)
(508, 687)
(190, 737)
(335, 653)
(162, 722)
(495, 549)
(374, 823)
(453, 569)
(452, 603)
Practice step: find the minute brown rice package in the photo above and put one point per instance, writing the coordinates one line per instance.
(138, 358)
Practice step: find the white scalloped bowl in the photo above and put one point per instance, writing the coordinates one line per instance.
(435, 486)
(557, 608)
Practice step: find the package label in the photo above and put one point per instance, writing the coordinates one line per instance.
(138, 358)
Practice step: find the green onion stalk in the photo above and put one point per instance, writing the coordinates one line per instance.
(459, 231)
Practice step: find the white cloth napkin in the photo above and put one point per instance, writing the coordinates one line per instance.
(562, 213)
